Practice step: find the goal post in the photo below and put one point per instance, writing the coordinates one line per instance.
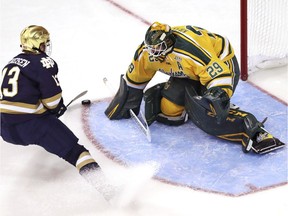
(264, 35)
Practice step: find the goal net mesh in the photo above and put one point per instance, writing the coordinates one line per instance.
(267, 24)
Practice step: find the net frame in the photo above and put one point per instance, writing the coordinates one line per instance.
(264, 33)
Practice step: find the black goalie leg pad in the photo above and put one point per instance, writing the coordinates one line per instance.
(260, 140)
(252, 127)
(152, 98)
(196, 112)
(218, 103)
(125, 99)
(200, 114)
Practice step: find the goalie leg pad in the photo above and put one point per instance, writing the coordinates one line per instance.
(200, 114)
(217, 101)
(174, 89)
(125, 99)
(197, 112)
(152, 98)
(251, 126)
(260, 140)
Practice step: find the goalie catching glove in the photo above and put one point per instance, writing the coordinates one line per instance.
(125, 99)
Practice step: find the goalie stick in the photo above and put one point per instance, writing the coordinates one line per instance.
(75, 98)
(142, 124)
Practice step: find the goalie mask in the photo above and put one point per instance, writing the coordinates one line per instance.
(35, 39)
(159, 39)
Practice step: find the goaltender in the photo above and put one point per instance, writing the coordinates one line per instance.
(203, 72)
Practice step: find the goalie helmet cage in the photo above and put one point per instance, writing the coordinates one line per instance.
(264, 33)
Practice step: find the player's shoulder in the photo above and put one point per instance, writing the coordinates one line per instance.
(35, 57)
(39, 61)
(140, 50)
(189, 30)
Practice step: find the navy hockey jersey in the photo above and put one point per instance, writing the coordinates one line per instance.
(29, 87)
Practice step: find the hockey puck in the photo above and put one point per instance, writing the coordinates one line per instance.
(86, 102)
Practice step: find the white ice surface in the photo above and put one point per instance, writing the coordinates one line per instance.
(93, 39)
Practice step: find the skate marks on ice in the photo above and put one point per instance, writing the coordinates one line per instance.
(189, 157)
(120, 187)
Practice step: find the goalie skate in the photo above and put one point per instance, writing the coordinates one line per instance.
(265, 143)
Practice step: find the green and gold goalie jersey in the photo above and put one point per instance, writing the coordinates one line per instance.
(197, 54)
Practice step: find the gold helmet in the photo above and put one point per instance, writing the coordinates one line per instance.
(35, 39)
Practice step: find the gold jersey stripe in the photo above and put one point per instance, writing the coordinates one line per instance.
(20, 108)
(52, 102)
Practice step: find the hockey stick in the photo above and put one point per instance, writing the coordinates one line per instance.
(78, 96)
(143, 126)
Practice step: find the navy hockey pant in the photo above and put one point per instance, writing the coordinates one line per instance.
(46, 131)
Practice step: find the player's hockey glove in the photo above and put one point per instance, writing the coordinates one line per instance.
(60, 109)
(125, 99)
(217, 101)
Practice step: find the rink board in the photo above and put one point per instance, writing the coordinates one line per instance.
(188, 156)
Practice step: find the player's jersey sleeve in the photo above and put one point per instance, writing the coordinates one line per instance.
(49, 85)
(140, 72)
(210, 55)
(29, 87)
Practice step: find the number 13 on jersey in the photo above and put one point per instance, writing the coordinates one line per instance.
(13, 73)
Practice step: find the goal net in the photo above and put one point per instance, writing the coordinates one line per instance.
(264, 35)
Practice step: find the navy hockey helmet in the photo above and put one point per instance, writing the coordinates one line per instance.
(159, 39)
(35, 39)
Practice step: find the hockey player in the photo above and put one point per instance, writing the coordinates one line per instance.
(31, 103)
(203, 72)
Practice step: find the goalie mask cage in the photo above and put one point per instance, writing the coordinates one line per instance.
(264, 35)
